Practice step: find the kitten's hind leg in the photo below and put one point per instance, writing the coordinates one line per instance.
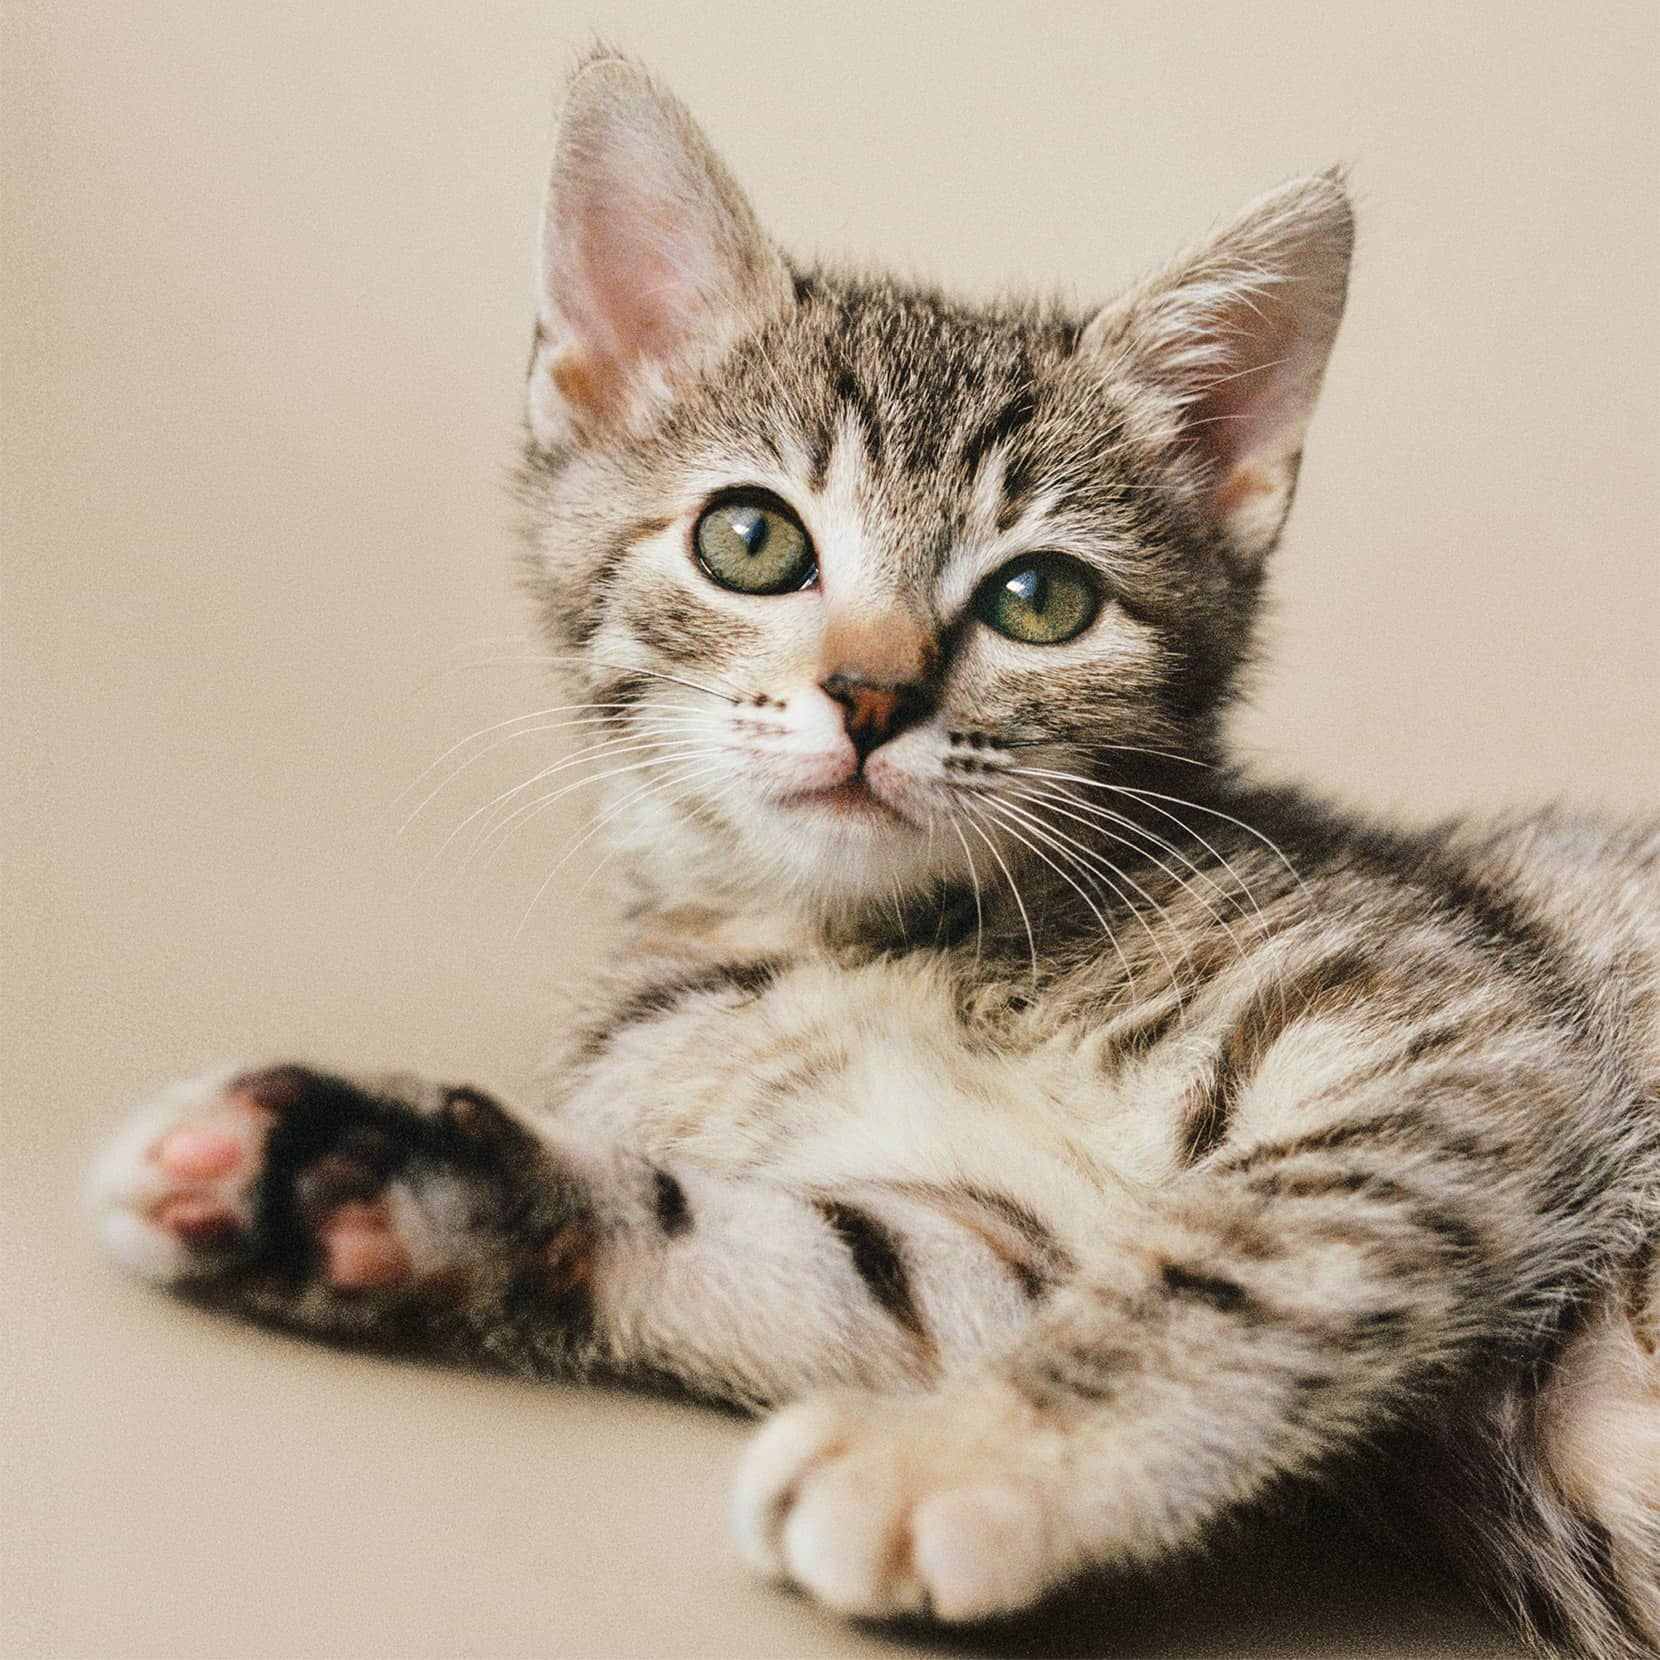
(389, 1208)
(1595, 1441)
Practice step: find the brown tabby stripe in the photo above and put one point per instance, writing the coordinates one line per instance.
(1637, 1298)
(1378, 1127)
(1421, 1213)
(688, 635)
(1400, 1124)
(874, 1251)
(849, 394)
(668, 1199)
(1014, 1233)
(584, 623)
(1136, 1037)
(618, 695)
(799, 1077)
(1070, 1372)
(1017, 413)
(751, 978)
(1025, 1221)
(1225, 1295)
(1341, 981)
(1206, 1120)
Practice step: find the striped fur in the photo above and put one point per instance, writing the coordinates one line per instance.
(1095, 1140)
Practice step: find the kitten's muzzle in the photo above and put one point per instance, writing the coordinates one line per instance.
(874, 711)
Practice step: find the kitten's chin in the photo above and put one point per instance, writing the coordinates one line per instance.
(838, 852)
(826, 854)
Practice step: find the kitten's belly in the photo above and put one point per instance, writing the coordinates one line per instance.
(835, 1075)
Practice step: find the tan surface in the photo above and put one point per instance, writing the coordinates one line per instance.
(266, 299)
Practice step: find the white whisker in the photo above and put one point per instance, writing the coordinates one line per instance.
(1068, 807)
(1096, 744)
(524, 731)
(589, 834)
(1014, 887)
(649, 785)
(594, 752)
(545, 658)
(1181, 824)
(974, 879)
(489, 842)
(1090, 858)
(1005, 811)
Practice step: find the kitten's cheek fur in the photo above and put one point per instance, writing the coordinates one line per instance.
(813, 752)
(900, 777)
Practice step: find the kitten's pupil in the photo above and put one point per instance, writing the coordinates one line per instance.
(749, 525)
(1031, 587)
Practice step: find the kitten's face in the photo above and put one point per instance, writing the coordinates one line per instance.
(854, 572)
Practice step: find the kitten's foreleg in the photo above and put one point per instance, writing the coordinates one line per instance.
(1219, 1348)
(411, 1213)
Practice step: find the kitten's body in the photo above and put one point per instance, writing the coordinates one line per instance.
(1147, 1139)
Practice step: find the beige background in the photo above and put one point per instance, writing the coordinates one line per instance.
(266, 279)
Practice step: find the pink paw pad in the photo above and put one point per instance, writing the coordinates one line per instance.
(199, 1153)
(361, 1251)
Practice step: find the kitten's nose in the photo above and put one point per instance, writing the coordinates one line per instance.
(874, 711)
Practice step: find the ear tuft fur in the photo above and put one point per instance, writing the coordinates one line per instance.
(1236, 332)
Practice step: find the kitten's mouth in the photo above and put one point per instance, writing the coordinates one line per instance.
(851, 799)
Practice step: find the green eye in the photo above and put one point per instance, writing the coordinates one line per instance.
(752, 542)
(1041, 599)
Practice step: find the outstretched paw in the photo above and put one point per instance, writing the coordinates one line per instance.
(950, 1505)
(175, 1190)
(327, 1185)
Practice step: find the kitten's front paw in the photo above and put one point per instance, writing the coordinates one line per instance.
(174, 1191)
(949, 1505)
(314, 1181)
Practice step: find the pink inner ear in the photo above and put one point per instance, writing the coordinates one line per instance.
(650, 255)
(633, 292)
(1252, 402)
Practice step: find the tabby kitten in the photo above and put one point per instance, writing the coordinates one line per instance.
(1086, 1141)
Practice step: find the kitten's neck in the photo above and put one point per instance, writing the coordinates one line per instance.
(660, 921)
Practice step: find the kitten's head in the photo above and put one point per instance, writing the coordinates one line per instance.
(853, 571)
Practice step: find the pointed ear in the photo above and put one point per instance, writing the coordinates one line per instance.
(650, 259)
(1236, 333)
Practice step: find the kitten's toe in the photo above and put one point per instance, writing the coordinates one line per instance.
(222, 1172)
(173, 1191)
(885, 1506)
(778, 1459)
